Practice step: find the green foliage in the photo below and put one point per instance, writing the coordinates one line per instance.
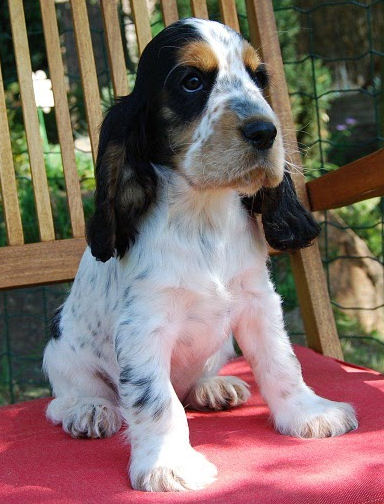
(365, 218)
(35, 39)
(359, 347)
(364, 352)
(307, 79)
(55, 176)
(283, 279)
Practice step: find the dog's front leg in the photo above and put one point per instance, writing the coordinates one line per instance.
(162, 458)
(295, 408)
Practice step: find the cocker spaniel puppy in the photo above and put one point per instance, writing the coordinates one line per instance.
(176, 263)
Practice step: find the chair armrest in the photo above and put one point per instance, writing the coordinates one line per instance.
(353, 182)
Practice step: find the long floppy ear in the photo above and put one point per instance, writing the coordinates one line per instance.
(125, 179)
(287, 224)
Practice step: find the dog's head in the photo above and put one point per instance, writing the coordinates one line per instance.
(198, 108)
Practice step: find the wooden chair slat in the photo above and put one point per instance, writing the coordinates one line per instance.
(228, 13)
(169, 11)
(142, 24)
(63, 120)
(31, 123)
(87, 71)
(21, 266)
(365, 180)
(7, 177)
(115, 47)
(199, 9)
(306, 264)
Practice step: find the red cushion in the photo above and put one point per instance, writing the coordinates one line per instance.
(41, 464)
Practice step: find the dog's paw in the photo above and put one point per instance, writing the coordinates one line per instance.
(85, 417)
(218, 393)
(190, 470)
(317, 418)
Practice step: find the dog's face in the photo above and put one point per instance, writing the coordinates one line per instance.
(220, 129)
(198, 108)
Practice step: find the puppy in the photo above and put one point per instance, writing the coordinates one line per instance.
(176, 263)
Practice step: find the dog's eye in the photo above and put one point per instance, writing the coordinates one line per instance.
(260, 76)
(192, 83)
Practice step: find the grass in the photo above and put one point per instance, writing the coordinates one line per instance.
(364, 351)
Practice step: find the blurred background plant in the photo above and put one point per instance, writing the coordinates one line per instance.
(334, 64)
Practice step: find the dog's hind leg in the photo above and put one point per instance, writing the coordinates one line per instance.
(85, 400)
(212, 392)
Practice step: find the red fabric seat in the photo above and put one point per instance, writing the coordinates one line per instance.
(41, 464)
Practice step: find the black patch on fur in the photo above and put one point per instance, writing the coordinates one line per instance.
(128, 301)
(259, 76)
(144, 398)
(144, 388)
(160, 409)
(144, 391)
(55, 324)
(126, 375)
(287, 224)
(142, 382)
(108, 284)
(143, 275)
(185, 106)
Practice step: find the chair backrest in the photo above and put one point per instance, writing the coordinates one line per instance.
(51, 260)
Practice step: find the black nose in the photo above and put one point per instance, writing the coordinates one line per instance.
(260, 133)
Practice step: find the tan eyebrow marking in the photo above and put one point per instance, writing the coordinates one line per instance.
(250, 57)
(200, 55)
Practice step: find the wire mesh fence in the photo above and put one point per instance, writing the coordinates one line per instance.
(334, 60)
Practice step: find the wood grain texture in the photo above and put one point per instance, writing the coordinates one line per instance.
(228, 14)
(169, 11)
(199, 9)
(40, 263)
(7, 177)
(87, 71)
(142, 24)
(63, 120)
(356, 181)
(31, 123)
(114, 47)
(306, 264)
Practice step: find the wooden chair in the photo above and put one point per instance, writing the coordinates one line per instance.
(52, 260)
(31, 477)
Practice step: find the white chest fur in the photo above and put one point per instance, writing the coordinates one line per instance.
(196, 261)
(191, 271)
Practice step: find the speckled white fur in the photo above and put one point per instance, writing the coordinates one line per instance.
(142, 335)
(232, 83)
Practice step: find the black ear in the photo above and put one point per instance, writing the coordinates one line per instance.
(287, 224)
(125, 179)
